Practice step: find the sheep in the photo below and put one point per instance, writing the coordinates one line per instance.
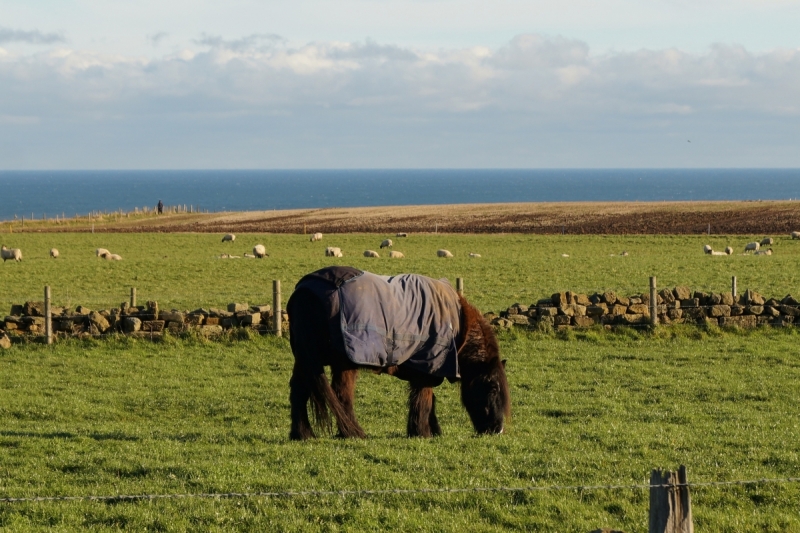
(53, 253)
(387, 243)
(707, 249)
(13, 253)
(624, 253)
(316, 237)
(751, 247)
(443, 253)
(718, 253)
(728, 250)
(371, 253)
(229, 256)
(401, 235)
(796, 235)
(111, 257)
(396, 255)
(474, 255)
(764, 252)
(333, 251)
(101, 252)
(259, 251)
(564, 255)
(228, 237)
(767, 241)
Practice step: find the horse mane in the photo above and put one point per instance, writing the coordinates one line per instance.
(479, 349)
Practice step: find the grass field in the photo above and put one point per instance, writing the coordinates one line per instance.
(123, 416)
(182, 270)
(186, 416)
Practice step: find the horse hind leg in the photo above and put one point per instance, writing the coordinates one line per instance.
(299, 395)
(344, 386)
(421, 412)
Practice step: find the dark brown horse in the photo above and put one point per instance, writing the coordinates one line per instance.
(315, 323)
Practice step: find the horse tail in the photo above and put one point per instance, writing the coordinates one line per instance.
(308, 336)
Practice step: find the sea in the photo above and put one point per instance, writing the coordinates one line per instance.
(47, 193)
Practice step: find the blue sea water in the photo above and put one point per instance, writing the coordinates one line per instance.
(79, 192)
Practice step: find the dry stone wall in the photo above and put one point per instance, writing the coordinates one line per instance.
(679, 305)
(144, 321)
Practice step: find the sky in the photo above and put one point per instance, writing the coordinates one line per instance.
(95, 84)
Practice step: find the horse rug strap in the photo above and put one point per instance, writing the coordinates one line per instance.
(406, 319)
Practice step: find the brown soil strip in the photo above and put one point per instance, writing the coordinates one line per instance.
(752, 218)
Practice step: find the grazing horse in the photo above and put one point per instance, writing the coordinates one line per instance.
(412, 327)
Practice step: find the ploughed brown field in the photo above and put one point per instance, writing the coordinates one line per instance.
(618, 218)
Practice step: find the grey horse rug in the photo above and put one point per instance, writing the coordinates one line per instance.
(383, 321)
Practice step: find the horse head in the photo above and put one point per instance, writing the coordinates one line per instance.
(484, 389)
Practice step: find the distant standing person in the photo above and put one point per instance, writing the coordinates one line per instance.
(160, 207)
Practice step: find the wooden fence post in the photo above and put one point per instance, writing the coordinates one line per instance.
(133, 296)
(733, 286)
(460, 286)
(276, 306)
(653, 302)
(48, 316)
(670, 504)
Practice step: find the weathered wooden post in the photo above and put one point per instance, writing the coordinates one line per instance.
(670, 504)
(460, 286)
(276, 306)
(653, 302)
(133, 296)
(733, 286)
(48, 316)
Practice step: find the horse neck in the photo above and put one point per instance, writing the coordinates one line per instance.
(477, 343)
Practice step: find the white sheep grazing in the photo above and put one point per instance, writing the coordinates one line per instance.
(316, 237)
(13, 253)
(228, 237)
(766, 241)
(474, 255)
(101, 252)
(396, 255)
(728, 250)
(764, 252)
(333, 251)
(707, 249)
(387, 243)
(443, 253)
(751, 247)
(400, 235)
(371, 253)
(53, 253)
(111, 257)
(259, 251)
(796, 235)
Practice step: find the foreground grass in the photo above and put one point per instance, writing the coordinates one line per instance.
(187, 416)
(182, 270)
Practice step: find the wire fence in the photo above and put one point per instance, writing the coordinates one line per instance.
(381, 492)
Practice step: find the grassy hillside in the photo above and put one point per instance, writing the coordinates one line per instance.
(134, 417)
(183, 271)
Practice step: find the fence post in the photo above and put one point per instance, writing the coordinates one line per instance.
(48, 316)
(670, 504)
(653, 302)
(460, 286)
(733, 286)
(133, 296)
(276, 306)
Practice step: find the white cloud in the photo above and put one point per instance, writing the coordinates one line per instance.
(8, 35)
(341, 94)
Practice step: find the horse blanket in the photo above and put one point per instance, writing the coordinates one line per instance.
(382, 321)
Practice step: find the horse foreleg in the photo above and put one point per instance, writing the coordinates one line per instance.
(421, 412)
(344, 386)
(299, 394)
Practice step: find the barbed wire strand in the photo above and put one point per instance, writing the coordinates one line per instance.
(377, 492)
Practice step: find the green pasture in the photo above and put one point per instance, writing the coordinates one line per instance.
(183, 271)
(189, 416)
